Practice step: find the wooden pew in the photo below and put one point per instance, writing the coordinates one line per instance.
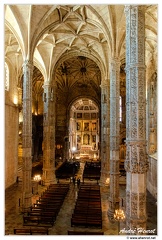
(31, 231)
(86, 220)
(50, 201)
(52, 195)
(78, 220)
(73, 232)
(39, 231)
(30, 220)
(22, 231)
(43, 209)
(44, 214)
(48, 205)
(95, 221)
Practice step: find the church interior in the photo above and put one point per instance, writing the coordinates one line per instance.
(80, 119)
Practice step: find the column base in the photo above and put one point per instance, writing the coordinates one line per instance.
(136, 226)
(113, 205)
(26, 209)
(104, 179)
(110, 214)
(48, 176)
(26, 202)
(47, 182)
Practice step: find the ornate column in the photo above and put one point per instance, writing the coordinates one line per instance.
(20, 102)
(114, 137)
(71, 135)
(27, 136)
(105, 132)
(152, 96)
(66, 147)
(49, 135)
(136, 164)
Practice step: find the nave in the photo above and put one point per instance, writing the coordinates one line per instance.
(14, 217)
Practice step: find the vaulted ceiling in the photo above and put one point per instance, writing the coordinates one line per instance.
(70, 40)
(52, 31)
(78, 76)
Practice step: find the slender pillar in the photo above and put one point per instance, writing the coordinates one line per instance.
(114, 137)
(105, 133)
(49, 136)
(136, 164)
(67, 140)
(152, 115)
(27, 136)
(71, 136)
(66, 147)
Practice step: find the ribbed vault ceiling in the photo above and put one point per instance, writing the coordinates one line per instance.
(77, 71)
(50, 32)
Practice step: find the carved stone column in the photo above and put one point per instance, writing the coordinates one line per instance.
(152, 96)
(114, 137)
(105, 133)
(49, 135)
(136, 164)
(27, 136)
(66, 147)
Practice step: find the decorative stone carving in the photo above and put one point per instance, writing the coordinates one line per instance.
(27, 134)
(105, 123)
(152, 108)
(136, 158)
(114, 136)
(49, 135)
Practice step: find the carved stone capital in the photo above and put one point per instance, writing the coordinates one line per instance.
(28, 65)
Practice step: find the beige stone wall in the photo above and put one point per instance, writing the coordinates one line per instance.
(152, 175)
(11, 130)
(11, 144)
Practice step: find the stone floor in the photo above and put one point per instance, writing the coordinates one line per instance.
(14, 217)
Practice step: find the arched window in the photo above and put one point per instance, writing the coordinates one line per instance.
(120, 109)
(6, 77)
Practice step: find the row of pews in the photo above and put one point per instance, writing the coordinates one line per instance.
(67, 169)
(92, 170)
(46, 208)
(43, 213)
(87, 211)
